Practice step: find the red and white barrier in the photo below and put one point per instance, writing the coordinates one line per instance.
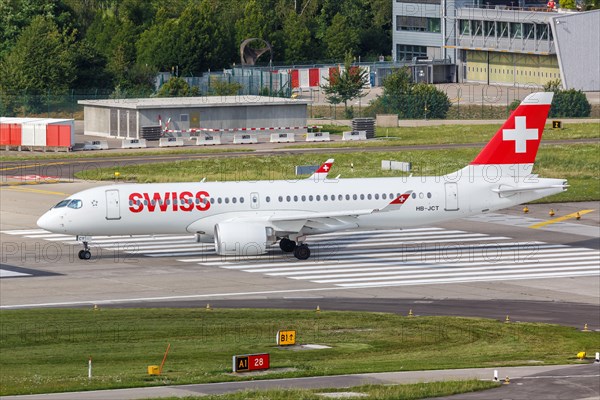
(37, 133)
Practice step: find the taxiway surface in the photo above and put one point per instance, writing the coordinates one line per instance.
(487, 266)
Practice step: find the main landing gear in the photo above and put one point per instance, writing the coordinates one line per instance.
(85, 253)
(301, 250)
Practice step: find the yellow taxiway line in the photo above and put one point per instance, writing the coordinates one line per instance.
(559, 219)
(31, 190)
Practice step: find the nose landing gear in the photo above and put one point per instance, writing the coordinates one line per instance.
(85, 254)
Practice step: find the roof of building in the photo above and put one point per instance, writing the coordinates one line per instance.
(185, 102)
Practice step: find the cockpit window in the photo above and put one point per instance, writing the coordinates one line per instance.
(62, 203)
(75, 204)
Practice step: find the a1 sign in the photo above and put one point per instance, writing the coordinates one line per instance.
(251, 362)
(286, 338)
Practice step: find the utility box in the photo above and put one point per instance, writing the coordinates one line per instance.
(153, 370)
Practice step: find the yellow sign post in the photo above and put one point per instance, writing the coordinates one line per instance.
(286, 338)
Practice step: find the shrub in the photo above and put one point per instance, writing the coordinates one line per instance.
(570, 103)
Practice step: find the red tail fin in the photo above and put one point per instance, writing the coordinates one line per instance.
(517, 141)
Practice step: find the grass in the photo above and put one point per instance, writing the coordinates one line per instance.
(373, 392)
(450, 134)
(47, 350)
(577, 162)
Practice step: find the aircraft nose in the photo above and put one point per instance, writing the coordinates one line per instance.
(50, 222)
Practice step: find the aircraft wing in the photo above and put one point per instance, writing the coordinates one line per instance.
(328, 221)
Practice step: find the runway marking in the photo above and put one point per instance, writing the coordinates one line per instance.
(421, 256)
(11, 274)
(559, 219)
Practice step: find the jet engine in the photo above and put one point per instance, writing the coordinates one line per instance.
(241, 238)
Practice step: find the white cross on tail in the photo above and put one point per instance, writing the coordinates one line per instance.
(520, 134)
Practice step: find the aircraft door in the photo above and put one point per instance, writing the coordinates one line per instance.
(451, 196)
(113, 210)
(254, 200)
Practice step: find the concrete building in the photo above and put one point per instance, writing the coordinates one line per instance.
(126, 118)
(500, 41)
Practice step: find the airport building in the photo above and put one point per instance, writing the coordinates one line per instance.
(500, 41)
(128, 118)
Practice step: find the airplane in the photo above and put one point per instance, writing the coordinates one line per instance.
(245, 218)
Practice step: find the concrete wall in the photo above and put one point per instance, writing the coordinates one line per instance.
(576, 36)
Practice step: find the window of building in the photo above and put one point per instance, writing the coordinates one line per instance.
(528, 31)
(411, 23)
(433, 25)
(465, 27)
(503, 29)
(541, 31)
(516, 30)
(490, 28)
(477, 28)
(406, 52)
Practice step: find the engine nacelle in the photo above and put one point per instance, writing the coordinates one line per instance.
(240, 239)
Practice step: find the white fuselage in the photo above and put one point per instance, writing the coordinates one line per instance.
(131, 209)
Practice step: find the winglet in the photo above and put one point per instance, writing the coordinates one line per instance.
(322, 171)
(397, 202)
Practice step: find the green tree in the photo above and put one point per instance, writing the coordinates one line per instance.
(570, 104)
(297, 39)
(221, 87)
(568, 4)
(567, 103)
(175, 87)
(345, 85)
(340, 38)
(40, 62)
(409, 100)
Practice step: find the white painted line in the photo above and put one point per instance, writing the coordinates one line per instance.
(467, 280)
(584, 266)
(11, 274)
(49, 235)
(322, 256)
(25, 232)
(325, 268)
(447, 270)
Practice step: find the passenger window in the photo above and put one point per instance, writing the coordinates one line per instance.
(391, 196)
(212, 200)
(318, 198)
(376, 196)
(333, 197)
(280, 199)
(369, 196)
(310, 198)
(295, 198)
(347, 197)
(234, 200)
(303, 198)
(414, 195)
(354, 197)
(384, 196)
(241, 199)
(325, 197)
(340, 197)
(226, 200)
(268, 199)
(421, 195)
(219, 200)
(362, 196)
(288, 198)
